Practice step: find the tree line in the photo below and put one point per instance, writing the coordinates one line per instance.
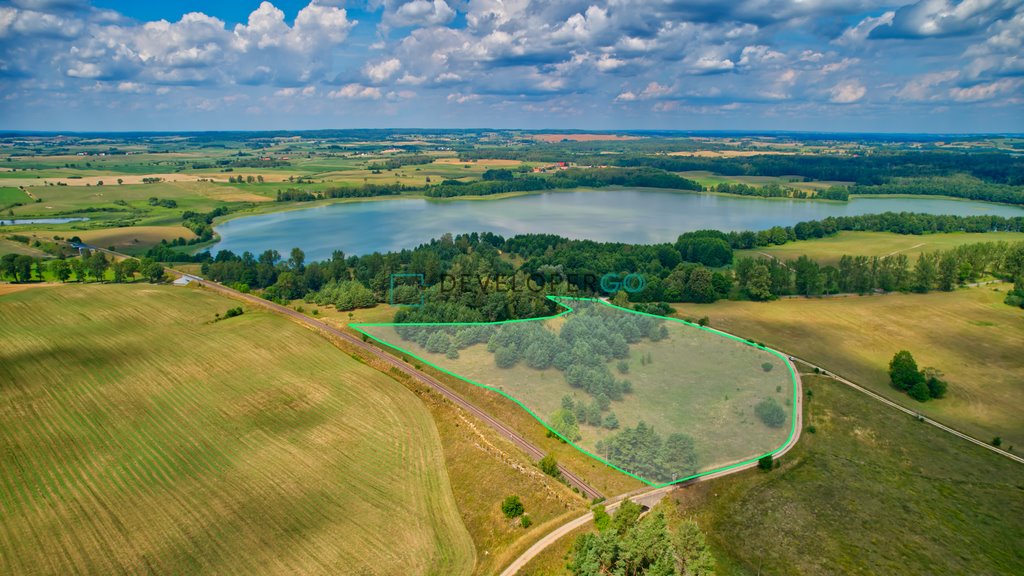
(90, 266)
(765, 278)
(471, 278)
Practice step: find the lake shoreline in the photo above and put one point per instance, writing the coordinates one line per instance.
(619, 214)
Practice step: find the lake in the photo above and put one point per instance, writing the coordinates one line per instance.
(623, 215)
(40, 221)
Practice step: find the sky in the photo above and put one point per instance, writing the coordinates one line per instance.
(937, 66)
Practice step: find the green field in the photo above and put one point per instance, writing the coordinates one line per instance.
(138, 435)
(870, 492)
(829, 250)
(10, 196)
(13, 247)
(968, 334)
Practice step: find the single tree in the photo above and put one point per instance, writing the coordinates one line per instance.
(512, 506)
(903, 371)
(549, 465)
(60, 270)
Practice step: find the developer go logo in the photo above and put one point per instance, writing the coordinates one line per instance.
(631, 283)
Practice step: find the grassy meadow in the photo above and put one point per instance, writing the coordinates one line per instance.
(138, 435)
(871, 491)
(968, 334)
(693, 382)
(829, 250)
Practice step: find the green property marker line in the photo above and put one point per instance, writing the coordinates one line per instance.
(560, 300)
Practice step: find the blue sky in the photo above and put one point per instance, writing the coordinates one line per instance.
(811, 65)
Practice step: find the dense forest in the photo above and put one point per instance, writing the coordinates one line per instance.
(503, 181)
(993, 177)
(485, 277)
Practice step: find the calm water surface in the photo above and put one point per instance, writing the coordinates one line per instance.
(40, 221)
(635, 216)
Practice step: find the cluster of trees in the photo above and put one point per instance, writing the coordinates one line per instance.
(162, 202)
(707, 247)
(364, 191)
(628, 544)
(767, 278)
(500, 183)
(201, 223)
(868, 169)
(590, 337)
(18, 267)
(921, 385)
(778, 191)
(956, 186)
(643, 452)
(245, 179)
(344, 295)
(399, 161)
(245, 162)
(993, 177)
(1016, 296)
(91, 265)
(596, 413)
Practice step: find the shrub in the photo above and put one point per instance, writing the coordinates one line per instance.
(770, 412)
(601, 518)
(936, 387)
(765, 462)
(512, 506)
(812, 429)
(767, 366)
(232, 312)
(525, 521)
(997, 441)
(919, 391)
(549, 466)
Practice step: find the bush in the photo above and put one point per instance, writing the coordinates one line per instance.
(525, 521)
(549, 466)
(936, 387)
(919, 391)
(767, 366)
(812, 429)
(512, 507)
(506, 357)
(765, 462)
(997, 441)
(232, 312)
(903, 371)
(770, 412)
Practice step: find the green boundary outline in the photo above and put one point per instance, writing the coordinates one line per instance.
(568, 309)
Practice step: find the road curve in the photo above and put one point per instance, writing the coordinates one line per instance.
(651, 496)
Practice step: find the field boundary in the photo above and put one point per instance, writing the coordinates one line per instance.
(560, 300)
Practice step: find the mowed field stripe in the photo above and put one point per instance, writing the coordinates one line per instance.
(145, 437)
